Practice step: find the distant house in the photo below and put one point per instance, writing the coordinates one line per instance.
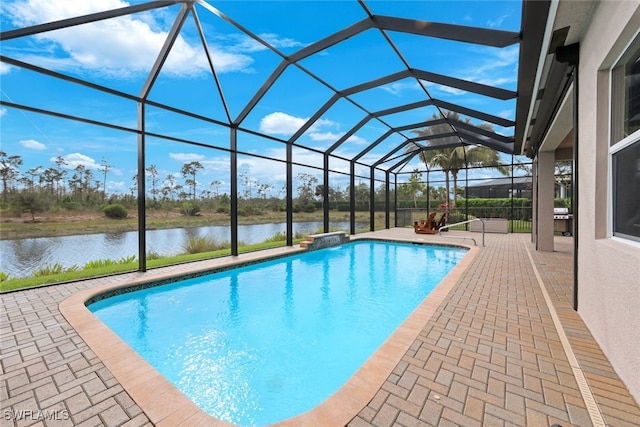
(522, 187)
(501, 187)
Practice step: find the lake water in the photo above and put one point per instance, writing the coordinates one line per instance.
(21, 257)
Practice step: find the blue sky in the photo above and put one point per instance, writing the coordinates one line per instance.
(119, 53)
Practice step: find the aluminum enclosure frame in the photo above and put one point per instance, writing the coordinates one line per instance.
(464, 134)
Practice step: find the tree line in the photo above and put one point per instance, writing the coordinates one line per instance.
(62, 187)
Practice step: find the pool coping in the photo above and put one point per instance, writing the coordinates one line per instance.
(165, 405)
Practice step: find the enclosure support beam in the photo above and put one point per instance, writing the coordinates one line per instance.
(289, 195)
(166, 48)
(428, 192)
(387, 185)
(352, 198)
(466, 189)
(142, 214)
(234, 189)
(325, 193)
(372, 200)
(395, 199)
(512, 208)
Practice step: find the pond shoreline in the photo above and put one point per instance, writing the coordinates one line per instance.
(93, 223)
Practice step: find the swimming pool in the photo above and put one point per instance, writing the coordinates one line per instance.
(261, 343)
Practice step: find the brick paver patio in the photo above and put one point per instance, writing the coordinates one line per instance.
(491, 355)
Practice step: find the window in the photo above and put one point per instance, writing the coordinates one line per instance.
(632, 94)
(626, 192)
(625, 145)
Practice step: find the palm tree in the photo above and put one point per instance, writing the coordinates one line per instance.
(450, 160)
(453, 159)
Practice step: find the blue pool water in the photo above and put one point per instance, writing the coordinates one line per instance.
(264, 342)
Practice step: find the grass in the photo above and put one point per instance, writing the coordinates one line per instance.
(100, 268)
(201, 244)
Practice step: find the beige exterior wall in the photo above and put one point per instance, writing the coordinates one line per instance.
(608, 268)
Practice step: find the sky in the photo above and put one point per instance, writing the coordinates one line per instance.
(119, 53)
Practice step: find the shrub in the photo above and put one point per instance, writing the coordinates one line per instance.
(458, 217)
(190, 208)
(115, 211)
(99, 263)
(196, 245)
(69, 204)
(3, 276)
(309, 207)
(127, 259)
(278, 237)
(30, 201)
(49, 270)
(494, 208)
(248, 210)
(153, 255)
(559, 202)
(281, 236)
(154, 204)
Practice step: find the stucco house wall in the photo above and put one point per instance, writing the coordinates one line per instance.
(608, 268)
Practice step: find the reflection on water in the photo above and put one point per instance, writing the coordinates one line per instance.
(22, 257)
(113, 238)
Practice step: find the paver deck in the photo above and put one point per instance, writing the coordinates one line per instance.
(490, 354)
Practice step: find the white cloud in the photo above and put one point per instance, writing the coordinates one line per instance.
(216, 166)
(32, 144)
(491, 71)
(442, 88)
(3, 111)
(75, 159)
(186, 157)
(4, 68)
(497, 81)
(357, 140)
(507, 114)
(246, 44)
(278, 42)
(398, 87)
(284, 124)
(320, 123)
(502, 130)
(325, 136)
(122, 46)
(492, 23)
(118, 187)
(281, 124)
(225, 62)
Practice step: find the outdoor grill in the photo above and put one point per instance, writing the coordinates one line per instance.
(562, 221)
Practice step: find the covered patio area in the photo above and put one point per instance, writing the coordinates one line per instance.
(502, 347)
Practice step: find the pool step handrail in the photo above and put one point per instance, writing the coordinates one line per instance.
(462, 237)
